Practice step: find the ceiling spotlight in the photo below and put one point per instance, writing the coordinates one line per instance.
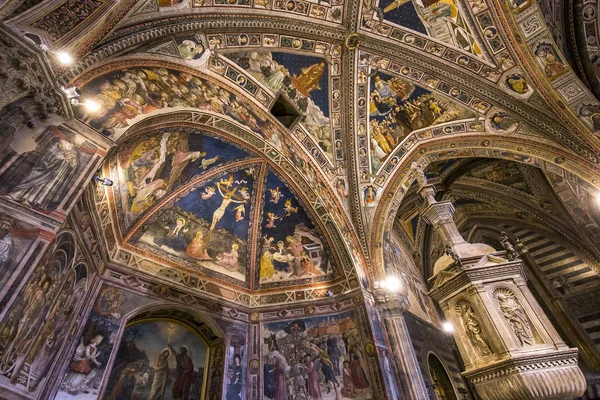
(64, 58)
(91, 106)
(447, 327)
(102, 181)
(392, 283)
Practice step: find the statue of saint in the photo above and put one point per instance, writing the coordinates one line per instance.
(511, 253)
(473, 329)
(516, 317)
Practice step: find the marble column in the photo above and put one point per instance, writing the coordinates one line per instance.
(509, 347)
(391, 307)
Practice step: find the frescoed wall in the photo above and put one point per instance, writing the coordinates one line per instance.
(397, 107)
(304, 78)
(315, 357)
(193, 201)
(39, 321)
(291, 248)
(87, 365)
(43, 168)
(16, 239)
(128, 95)
(446, 20)
(413, 287)
(133, 347)
(158, 359)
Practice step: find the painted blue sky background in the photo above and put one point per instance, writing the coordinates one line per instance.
(205, 208)
(294, 63)
(287, 225)
(405, 16)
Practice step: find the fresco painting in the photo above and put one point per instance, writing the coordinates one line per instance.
(148, 169)
(130, 94)
(291, 247)
(209, 227)
(502, 172)
(305, 79)
(16, 238)
(38, 322)
(157, 360)
(397, 107)
(41, 167)
(315, 358)
(444, 20)
(87, 365)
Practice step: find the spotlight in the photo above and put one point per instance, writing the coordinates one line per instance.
(72, 92)
(392, 283)
(447, 327)
(330, 293)
(102, 181)
(91, 106)
(64, 58)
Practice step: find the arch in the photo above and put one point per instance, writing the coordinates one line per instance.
(200, 323)
(519, 148)
(440, 379)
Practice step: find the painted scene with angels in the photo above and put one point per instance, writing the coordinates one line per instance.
(199, 202)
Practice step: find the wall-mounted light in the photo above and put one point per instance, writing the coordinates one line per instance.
(64, 58)
(390, 283)
(102, 181)
(72, 92)
(90, 106)
(447, 327)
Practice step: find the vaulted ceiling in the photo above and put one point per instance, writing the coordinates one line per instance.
(240, 124)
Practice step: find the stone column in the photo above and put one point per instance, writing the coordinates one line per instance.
(510, 349)
(391, 307)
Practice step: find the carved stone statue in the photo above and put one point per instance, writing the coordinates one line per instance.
(472, 327)
(511, 254)
(516, 317)
(419, 174)
(449, 251)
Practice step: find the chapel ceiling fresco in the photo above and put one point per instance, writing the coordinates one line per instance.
(189, 200)
(416, 72)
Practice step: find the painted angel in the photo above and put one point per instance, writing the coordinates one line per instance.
(289, 210)
(276, 194)
(208, 193)
(240, 212)
(271, 218)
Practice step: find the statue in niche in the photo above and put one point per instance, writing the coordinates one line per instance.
(473, 328)
(511, 253)
(516, 317)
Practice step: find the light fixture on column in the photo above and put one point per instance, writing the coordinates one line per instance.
(72, 92)
(91, 105)
(102, 181)
(390, 283)
(447, 327)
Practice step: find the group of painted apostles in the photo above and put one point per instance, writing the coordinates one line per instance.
(314, 367)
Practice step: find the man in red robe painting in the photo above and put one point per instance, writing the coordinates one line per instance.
(185, 374)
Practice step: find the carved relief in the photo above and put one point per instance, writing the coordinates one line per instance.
(473, 327)
(515, 315)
